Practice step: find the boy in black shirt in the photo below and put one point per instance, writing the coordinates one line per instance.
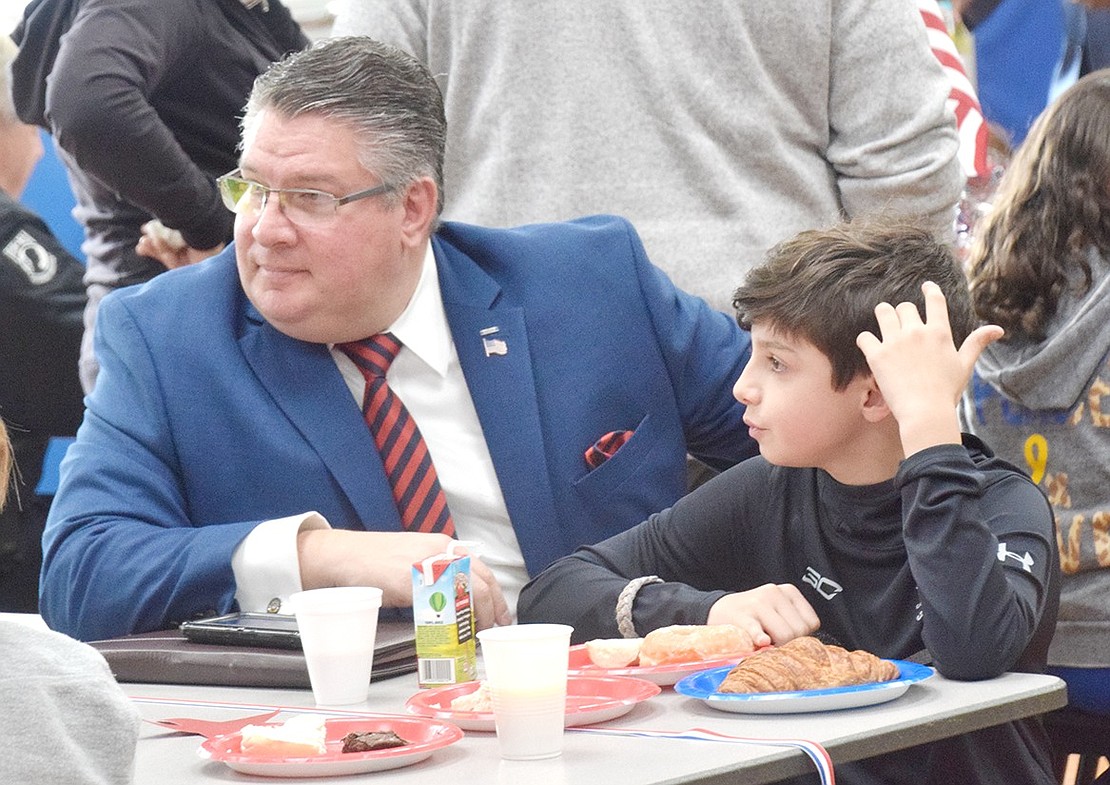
(867, 514)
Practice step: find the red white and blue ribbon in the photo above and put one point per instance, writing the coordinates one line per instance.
(818, 754)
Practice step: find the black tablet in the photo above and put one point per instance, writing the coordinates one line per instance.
(273, 630)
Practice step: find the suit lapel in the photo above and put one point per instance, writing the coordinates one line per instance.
(305, 384)
(502, 387)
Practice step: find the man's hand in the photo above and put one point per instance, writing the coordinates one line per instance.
(339, 557)
(773, 613)
(169, 247)
(918, 369)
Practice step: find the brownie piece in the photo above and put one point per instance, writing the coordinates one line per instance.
(375, 740)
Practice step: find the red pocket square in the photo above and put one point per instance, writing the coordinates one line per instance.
(606, 447)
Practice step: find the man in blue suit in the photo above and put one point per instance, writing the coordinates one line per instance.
(224, 460)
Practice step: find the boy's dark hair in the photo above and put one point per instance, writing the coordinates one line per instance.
(823, 286)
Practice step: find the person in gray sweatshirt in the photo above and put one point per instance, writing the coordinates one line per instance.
(65, 719)
(719, 129)
(1041, 269)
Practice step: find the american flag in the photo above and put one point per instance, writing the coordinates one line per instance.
(970, 122)
(495, 346)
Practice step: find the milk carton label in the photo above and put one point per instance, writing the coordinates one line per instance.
(444, 619)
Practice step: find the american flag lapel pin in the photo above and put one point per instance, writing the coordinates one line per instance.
(491, 344)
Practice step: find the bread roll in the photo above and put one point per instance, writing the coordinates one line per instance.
(693, 643)
(806, 664)
(614, 652)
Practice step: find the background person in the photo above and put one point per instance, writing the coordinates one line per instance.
(42, 300)
(58, 696)
(1041, 269)
(717, 128)
(143, 100)
(556, 377)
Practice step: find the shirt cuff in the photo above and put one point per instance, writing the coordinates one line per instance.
(265, 564)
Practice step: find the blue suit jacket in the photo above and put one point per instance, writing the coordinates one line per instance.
(206, 420)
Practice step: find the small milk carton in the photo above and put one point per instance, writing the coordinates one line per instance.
(443, 615)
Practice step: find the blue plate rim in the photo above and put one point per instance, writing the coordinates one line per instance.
(908, 673)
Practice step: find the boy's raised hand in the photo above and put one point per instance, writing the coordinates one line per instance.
(918, 369)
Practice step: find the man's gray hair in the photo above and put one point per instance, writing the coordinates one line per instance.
(386, 97)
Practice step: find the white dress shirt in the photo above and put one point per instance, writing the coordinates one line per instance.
(427, 377)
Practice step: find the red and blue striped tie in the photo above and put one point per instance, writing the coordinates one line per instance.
(416, 489)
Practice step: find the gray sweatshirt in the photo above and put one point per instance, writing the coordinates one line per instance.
(718, 128)
(65, 720)
(1040, 406)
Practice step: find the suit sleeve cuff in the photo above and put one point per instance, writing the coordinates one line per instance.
(265, 564)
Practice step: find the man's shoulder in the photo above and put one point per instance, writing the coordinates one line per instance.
(30, 251)
(205, 288)
(585, 226)
(591, 257)
(593, 245)
(14, 214)
(14, 219)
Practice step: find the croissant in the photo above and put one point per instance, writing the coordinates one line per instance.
(806, 664)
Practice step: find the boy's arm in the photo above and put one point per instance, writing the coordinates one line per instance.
(703, 558)
(980, 544)
(583, 589)
(586, 591)
(918, 369)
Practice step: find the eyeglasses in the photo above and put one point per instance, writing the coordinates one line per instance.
(302, 206)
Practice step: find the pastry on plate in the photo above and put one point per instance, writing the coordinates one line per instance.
(299, 737)
(681, 643)
(614, 652)
(806, 664)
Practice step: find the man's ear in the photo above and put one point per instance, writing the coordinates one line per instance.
(874, 406)
(419, 201)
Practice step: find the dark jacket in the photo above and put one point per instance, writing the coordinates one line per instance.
(42, 302)
(146, 124)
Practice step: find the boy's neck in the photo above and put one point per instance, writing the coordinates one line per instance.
(871, 458)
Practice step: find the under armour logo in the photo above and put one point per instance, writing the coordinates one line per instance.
(825, 587)
(37, 263)
(1025, 560)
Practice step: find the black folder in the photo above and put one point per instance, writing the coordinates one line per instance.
(167, 657)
